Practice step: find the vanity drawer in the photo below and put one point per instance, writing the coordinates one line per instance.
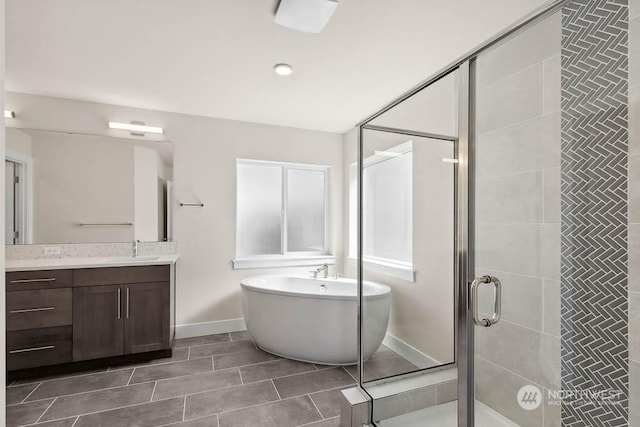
(39, 279)
(121, 275)
(38, 347)
(41, 308)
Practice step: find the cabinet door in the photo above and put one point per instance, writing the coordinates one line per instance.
(98, 322)
(147, 309)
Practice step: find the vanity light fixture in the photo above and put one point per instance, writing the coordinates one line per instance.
(283, 69)
(9, 114)
(387, 153)
(448, 160)
(136, 128)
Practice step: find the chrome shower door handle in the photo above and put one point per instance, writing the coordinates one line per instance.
(497, 301)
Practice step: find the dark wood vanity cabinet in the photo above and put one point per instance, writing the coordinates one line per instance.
(118, 311)
(146, 317)
(87, 314)
(98, 326)
(120, 319)
(38, 318)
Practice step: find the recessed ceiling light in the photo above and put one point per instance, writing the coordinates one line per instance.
(283, 69)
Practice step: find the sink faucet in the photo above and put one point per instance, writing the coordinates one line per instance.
(325, 268)
(135, 248)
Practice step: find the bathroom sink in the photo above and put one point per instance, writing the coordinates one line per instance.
(132, 259)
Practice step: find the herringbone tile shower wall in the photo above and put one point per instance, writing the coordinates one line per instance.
(634, 213)
(594, 268)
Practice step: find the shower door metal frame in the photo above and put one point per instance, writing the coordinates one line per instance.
(417, 134)
(464, 337)
(460, 206)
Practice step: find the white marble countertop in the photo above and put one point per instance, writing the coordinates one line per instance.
(89, 262)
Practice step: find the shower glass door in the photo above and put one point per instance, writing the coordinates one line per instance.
(516, 222)
(407, 164)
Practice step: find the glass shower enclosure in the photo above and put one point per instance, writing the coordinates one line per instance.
(455, 194)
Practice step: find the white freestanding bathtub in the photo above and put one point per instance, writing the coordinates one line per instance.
(314, 320)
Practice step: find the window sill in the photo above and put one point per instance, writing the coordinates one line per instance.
(246, 263)
(398, 271)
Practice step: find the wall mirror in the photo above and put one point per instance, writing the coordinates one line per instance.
(78, 188)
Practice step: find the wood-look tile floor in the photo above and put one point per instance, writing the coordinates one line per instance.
(214, 381)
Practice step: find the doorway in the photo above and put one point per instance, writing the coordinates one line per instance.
(18, 229)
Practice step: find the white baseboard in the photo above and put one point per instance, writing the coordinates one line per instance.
(405, 350)
(210, 328)
(409, 352)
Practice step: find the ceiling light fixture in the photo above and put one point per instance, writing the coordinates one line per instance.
(9, 114)
(309, 16)
(387, 153)
(283, 69)
(136, 128)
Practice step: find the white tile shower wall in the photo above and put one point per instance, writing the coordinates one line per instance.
(634, 213)
(205, 152)
(518, 218)
(82, 250)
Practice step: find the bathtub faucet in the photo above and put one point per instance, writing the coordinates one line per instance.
(325, 268)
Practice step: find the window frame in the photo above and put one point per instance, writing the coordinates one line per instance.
(389, 267)
(285, 257)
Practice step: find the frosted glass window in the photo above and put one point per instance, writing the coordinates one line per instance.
(387, 213)
(259, 210)
(305, 210)
(281, 209)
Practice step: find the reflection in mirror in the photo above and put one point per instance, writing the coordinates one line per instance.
(76, 188)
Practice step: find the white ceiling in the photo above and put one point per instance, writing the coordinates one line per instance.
(215, 57)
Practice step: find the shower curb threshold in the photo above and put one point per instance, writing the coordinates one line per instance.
(395, 397)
